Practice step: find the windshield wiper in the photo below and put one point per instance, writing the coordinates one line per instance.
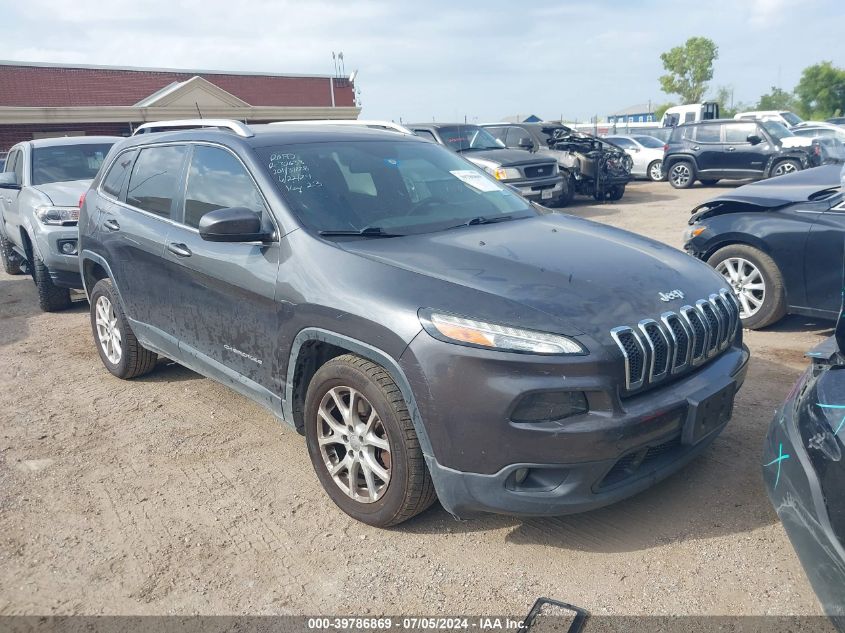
(370, 231)
(482, 220)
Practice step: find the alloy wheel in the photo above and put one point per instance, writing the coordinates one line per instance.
(680, 175)
(785, 168)
(353, 444)
(108, 331)
(747, 283)
(655, 172)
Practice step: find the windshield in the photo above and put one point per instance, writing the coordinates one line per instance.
(64, 163)
(791, 118)
(776, 130)
(649, 141)
(400, 187)
(468, 137)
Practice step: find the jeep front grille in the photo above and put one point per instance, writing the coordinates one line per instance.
(654, 350)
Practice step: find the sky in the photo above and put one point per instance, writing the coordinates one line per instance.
(445, 60)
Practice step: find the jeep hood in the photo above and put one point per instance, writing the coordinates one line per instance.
(64, 194)
(588, 275)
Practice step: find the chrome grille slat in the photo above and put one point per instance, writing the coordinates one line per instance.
(678, 341)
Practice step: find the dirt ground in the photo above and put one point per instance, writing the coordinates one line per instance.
(171, 494)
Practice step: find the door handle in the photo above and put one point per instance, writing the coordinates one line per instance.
(695, 148)
(111, 225)
(731, 149)
(178, 249)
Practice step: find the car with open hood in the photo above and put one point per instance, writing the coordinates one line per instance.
(778, 243)
(429, 331)
(39, 208)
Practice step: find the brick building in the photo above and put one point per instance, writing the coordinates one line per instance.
(39, 100)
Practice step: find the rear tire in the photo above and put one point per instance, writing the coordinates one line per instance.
(11, 262)
(654, 171)
(51, 298)
(119, 350)
(616, 192)
(756, 281)
(681, 174)
(568, 192)
(367, 455)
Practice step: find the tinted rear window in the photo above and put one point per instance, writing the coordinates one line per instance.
(708, 133)
(155, 179)
(113, 182)
(65, 163)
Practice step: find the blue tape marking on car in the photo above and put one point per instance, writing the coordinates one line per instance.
(780, 458)
(834, 406)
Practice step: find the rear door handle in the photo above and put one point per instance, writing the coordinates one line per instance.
(178, 249)
(111, 225)
(696, 148)
(731, 149)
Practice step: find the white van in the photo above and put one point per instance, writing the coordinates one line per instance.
(789, 119)
(690, 113)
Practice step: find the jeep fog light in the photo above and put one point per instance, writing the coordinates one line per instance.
(549, 406)
(463, 331)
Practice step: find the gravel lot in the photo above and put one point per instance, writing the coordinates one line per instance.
(172, 494)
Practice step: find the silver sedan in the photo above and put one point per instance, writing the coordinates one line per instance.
(646, 152)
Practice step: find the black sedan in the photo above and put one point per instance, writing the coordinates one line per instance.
(778, 243)
(805, 474)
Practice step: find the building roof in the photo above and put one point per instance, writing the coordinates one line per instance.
(28, 84)
(640, 108)
(521, 118)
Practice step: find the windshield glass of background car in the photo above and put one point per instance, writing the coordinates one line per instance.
(792, 118)
(398, 186)
(649, 142)
(468, 137)
(776, 129)
(64, 163)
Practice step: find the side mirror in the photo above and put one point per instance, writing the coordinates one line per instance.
(7, 180)
(754, 139)
(526, 143)
(235, 224)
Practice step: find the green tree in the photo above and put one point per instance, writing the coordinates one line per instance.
(660, 110)
(689, 68)
(777, 99)
(724, 96)
(821, 91)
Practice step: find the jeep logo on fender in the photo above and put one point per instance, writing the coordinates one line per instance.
(672, 294)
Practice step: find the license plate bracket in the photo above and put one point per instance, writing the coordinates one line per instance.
(546, 194)
(709, 409)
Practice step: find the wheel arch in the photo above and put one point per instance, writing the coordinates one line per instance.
(669, 161)
(734, 240)
(313, 347)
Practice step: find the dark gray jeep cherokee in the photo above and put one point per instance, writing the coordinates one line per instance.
(430, 332)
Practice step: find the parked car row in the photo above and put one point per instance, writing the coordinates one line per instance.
(371, 288)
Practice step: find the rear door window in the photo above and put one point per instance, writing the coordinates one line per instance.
(708, 133)
(218, 180)
(155, 179)
(118, 173)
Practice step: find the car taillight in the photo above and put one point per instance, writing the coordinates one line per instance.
(82, 199)
(666, 148)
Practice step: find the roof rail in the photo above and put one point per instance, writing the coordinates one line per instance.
(384, 125)
(226, 124)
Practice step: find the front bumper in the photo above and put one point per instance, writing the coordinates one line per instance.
(619, 448)
(64, 269)
(540, 190)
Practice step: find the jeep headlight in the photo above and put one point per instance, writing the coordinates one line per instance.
(57, 215)
(464, 331)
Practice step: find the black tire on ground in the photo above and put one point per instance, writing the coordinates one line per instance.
(681, 174)
(409, 489)
(616, 192)
(709, 182)
(134, 360)
(783, 167)
(11, 263)
(568, 192)
(51, 298)
(774, 298)
(654, 171)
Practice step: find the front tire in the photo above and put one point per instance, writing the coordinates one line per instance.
(568, 192)
(681, 174)
(756, 282)
(654, 171)
(362, 443)
(51, 298)
(119, 350)
(11, 263)
(616, 192)
(709, 182)
(785, 167)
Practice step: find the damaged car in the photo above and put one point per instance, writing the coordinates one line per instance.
(591, 166)
(778, 243)
(804, 472)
